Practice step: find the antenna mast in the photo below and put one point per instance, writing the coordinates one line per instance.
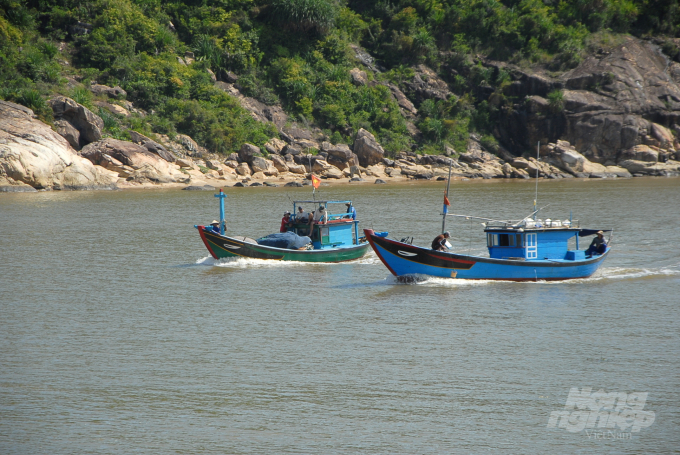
(445, 210)
(538, 151)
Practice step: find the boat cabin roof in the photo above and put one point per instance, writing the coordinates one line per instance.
(322, 202)
(519, 229)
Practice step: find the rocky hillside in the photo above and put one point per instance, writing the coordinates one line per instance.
(278, 89)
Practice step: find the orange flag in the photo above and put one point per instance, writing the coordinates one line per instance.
(446, 200)
(315, 181)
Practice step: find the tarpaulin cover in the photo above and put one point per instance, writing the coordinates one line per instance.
(288, 240)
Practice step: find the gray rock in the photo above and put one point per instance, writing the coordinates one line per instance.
(256, 184)
(426, 84)
(379, 181)
(297, 184)
(111, 92)
(239, 184)
(341, 156)
(144, 166)
(87, 123)
(32, 154)
(367, 149)
(68, 132)
(292, 150)
(358, 77)
(247, 152)
(199, 188)
(152, 146)
(356, 179)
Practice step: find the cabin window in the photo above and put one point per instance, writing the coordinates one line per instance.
(504, 240)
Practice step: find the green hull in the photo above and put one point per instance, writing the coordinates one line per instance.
(228, 247)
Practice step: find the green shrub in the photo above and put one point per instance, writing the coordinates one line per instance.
(83, 96)
(304, 15)
(556, 101)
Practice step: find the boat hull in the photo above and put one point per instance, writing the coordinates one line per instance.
(221, 247)
(403, 259)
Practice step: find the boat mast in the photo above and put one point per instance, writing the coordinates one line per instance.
(222, 196)
(538, 150)
(445, 210)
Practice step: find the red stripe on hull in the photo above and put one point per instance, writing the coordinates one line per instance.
(207, 245)
(370, 240)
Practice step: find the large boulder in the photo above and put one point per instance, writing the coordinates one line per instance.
(152, 146)
(279, 163)
(31, 153)
(426, 84)
(340, 155)
(265, 166)
(275, 146)
(635, 167)
(89, 124)
(68, 132)
(640, 153)
(247, 152)
(113, 108)
(146, 166)
(111, 92)
(367, 149)
(243, 169)
(358, 76)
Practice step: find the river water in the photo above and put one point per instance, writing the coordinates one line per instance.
(119, 334)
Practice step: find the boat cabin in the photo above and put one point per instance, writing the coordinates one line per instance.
(340, 229)
(536, 240)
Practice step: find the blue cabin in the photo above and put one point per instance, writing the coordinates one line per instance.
(341, 229)
(539, 242)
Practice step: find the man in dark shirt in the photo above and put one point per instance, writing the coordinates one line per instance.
(598, 245)
(439, 242)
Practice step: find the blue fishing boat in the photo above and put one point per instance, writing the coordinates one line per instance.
(530, 249)
(524, 252)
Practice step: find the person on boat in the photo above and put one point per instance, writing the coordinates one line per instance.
(285, 222)
(598, 245)
(439, 242)
(215, 225)
(301, 216)
(351, 210)
(320, 216)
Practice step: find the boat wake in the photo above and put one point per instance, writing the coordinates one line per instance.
(425, 280)
(629, 273)
(605, 273)
(250, 263)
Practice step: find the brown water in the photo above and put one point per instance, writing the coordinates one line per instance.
(118, 334)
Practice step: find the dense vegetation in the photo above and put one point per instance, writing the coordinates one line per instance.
(297, 53)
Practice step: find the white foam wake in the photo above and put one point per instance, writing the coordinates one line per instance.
(605, 273)
(629, 273)
(245, 263)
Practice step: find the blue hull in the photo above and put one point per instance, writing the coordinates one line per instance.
(403, 259)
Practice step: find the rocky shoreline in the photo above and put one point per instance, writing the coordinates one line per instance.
(34, 157)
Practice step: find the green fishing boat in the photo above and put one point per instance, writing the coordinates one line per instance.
(330, 235)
